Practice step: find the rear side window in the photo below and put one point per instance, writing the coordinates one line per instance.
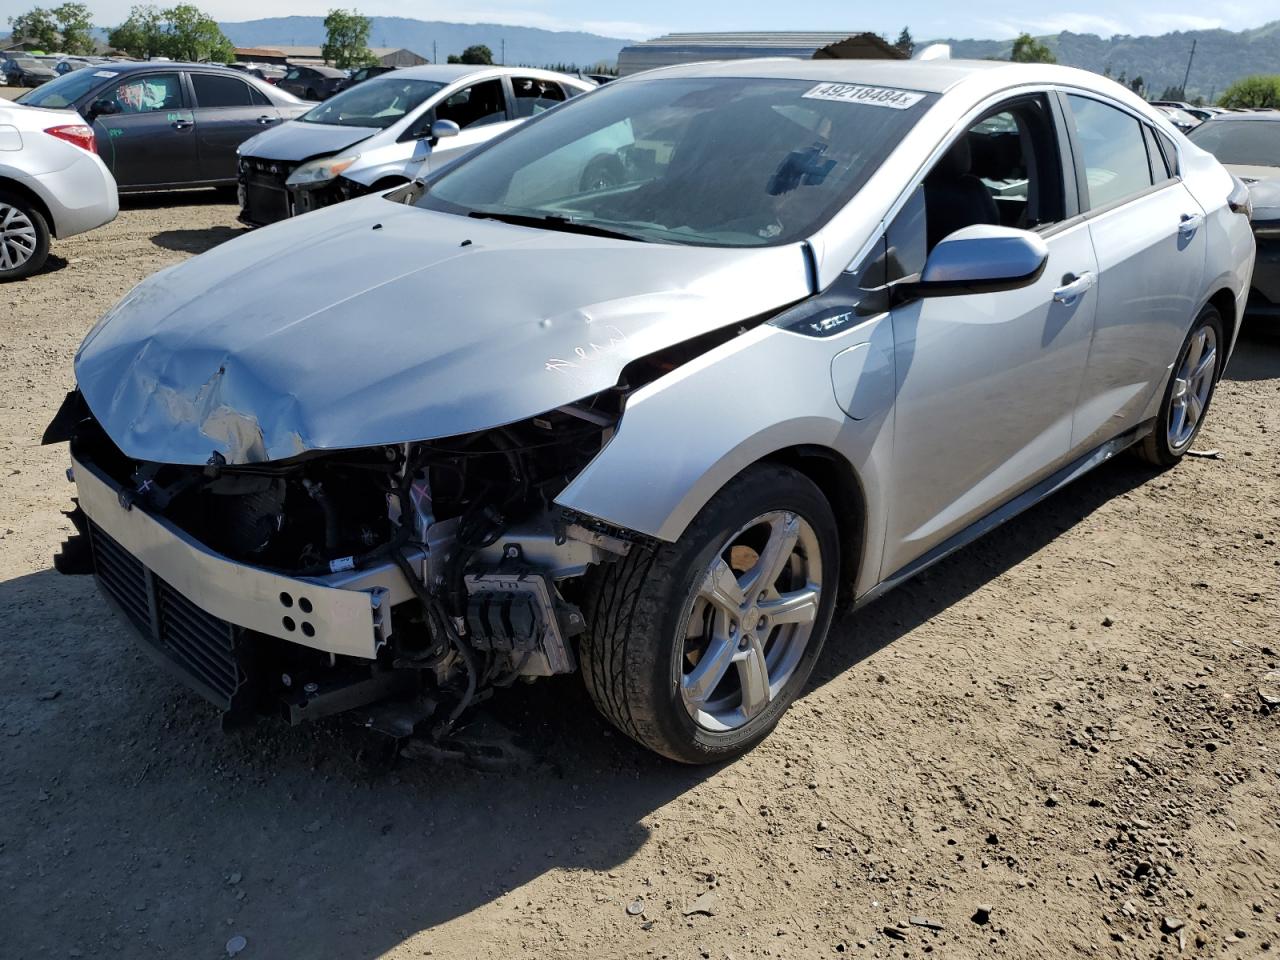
(1114, 151)
(1160, 171)
(1170, 153)
(533, 96)
(216, 91)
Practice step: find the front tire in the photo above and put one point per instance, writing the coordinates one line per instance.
(696, 648)
(24, 237)
(1190, 389)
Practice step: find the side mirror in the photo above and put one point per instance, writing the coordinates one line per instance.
(978, 259)
(444, 128)
(102, 108)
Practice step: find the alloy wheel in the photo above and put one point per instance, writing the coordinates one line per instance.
(1192, 387)
(18, 239)
(750, 621)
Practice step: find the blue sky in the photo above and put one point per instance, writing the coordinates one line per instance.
(646, 18)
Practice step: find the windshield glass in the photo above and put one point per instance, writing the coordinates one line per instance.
(63, 92)
(713, 161)
(1254, 142)
(378, 102)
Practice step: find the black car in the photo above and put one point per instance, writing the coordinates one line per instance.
(366, 73)
(1248, 145)
(313, 83)
(162, 125)
(27, 72)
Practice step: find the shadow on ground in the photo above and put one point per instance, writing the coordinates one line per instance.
(196, 241)
(1257, 352)
(128, 810)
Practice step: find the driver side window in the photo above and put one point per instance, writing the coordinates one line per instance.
(475, 106)
(149, 94)
(1005, 170)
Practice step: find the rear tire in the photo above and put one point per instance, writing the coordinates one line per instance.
(24, 237)
(696, 648)
(1187, 395)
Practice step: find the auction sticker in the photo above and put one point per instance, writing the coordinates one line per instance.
(105, 73)
(872, 96)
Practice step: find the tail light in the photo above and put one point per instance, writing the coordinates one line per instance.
(75, 133)
(1239, 199)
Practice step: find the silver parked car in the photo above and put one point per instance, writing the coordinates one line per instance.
(386, 131)
(52, 184)
(821, 324)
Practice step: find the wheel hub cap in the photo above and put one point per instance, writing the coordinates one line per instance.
(17, 237)
(1192, 387)
(750, 621)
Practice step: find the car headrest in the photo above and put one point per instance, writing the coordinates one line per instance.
(956, 162)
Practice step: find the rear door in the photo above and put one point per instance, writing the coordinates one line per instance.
(531, 96)
(480, 110)
(1149, 237)
(150, 139)
(228, 111)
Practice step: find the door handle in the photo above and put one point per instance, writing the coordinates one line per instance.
(181, 124)
(264, 120)
(1073, 286)
(1189, 224)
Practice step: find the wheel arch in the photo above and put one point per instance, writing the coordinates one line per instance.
(22, 190)
(840, 484)
(1224, 301)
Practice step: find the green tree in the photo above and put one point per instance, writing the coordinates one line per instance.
(1260, 90)
(1172, 92)
(1027, 49)
(477, 54)
(142, 35)
(36, 24)
(76, 27)
(905, 43)
(347, 40)
(1138, 85)
(194, 35)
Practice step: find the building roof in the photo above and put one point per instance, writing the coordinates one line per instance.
(805, 45)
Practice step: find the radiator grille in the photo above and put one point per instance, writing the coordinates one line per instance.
(199, 646)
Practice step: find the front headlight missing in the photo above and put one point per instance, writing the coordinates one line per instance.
(320, 171)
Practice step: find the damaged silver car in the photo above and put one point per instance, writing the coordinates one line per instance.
(645, 388)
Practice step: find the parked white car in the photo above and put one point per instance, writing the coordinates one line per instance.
(52, 184)
(387, 131)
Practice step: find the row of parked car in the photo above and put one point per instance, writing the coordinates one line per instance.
(643, 384)
(163, 126)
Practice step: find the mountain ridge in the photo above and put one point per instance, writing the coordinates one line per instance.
(1222, 56)
(524, 45)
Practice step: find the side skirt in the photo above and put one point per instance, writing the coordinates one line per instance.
(1007, 511)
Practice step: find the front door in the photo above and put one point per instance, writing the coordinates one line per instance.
(480, 110)
(150, 138)
(987, 383)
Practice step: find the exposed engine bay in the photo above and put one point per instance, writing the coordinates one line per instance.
(491, 563)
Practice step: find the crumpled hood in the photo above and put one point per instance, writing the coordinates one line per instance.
(372, 322)
(294, 140)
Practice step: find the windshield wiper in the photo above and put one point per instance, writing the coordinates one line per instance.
(555, 222)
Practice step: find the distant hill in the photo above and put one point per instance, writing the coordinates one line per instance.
(525, 45)
(1222, 57)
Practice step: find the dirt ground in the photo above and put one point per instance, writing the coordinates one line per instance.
(1062, 724)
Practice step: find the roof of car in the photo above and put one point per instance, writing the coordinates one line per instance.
(135, 66)
(320, 69)
(447, 73)
(1250, 115)
(929, 76)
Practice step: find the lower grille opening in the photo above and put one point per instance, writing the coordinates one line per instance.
(199, 647)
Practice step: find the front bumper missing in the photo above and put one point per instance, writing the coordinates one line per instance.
(346, 614)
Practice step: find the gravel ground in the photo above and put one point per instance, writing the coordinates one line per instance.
(1052, 744)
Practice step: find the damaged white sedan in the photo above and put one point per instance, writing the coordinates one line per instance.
(644, 388)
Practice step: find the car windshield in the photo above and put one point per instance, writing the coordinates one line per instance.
(66, 90)
(711, 161)
(378, 102)
(1240, 141)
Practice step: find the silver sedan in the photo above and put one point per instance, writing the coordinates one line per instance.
(647, 387)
